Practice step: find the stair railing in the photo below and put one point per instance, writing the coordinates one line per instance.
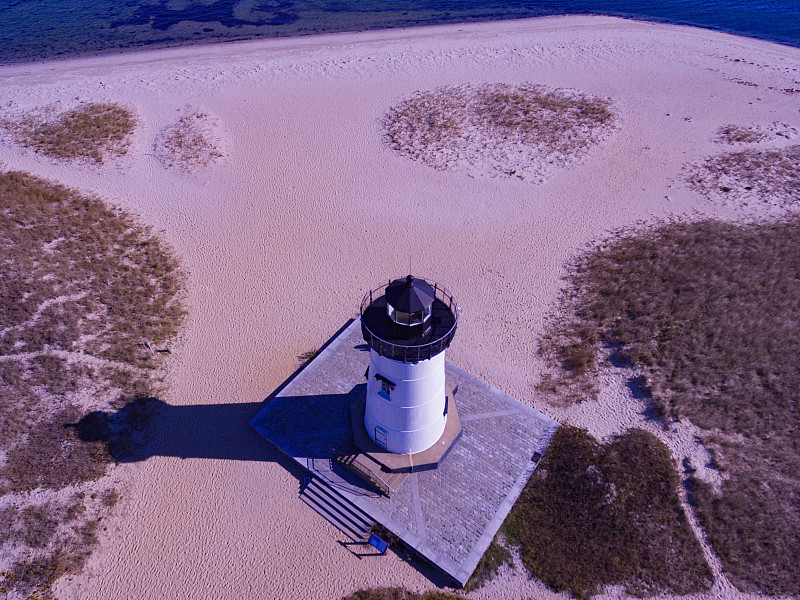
(348, 461)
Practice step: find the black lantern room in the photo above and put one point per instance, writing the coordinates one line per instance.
(408, 319)
(409, 302)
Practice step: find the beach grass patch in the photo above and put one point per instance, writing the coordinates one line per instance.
(709, 313)
(757, 175)
(92, 131)
(519, 131)
(399, 594)
(596, 514)
(190, 143)
(739, 134)
(493, 559)
(83, 285)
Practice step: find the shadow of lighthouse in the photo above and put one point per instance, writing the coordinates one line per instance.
(149, 427)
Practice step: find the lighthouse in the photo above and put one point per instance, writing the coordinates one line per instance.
(408, 323)
(361, 441)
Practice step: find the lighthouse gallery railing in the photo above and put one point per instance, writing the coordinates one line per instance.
(410, 353)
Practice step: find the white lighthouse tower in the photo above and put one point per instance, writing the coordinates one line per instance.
(407, 323)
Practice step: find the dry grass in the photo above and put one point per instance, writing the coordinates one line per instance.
(191, 143)
(761, 175)
(737, 134)
(594, 515)
(512, 131)
(92, 131)
(82, 285)
(710, 313)
(495, 557)
(59, 537)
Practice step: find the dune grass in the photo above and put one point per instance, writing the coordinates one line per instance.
(739, 134)
(763, 175)
(512, 131)
(91, 131)
(189, 143)
(709, 311)
(496, 556)
(607, 514)
(83, 284)
(594, 515)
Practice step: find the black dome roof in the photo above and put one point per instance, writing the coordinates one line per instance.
(409, 294)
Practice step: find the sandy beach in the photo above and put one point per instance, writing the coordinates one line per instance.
(306, 208)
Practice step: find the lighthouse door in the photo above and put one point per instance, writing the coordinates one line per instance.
(380, 436)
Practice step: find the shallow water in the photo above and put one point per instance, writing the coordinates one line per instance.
(35, 29)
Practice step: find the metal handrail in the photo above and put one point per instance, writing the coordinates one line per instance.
(370, 475)
(411, 352)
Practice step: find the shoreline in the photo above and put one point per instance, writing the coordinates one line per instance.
(110, 52)
(310, 208)
(276, 43)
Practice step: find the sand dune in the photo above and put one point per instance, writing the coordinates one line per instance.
(310, 208)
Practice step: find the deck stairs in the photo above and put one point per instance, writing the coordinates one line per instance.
(371, 470)
(337, 510)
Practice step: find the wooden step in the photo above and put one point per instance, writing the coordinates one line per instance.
(338, 511)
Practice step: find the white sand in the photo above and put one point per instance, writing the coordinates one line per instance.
(309, 208)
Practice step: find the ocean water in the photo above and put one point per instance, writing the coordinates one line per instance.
(40, 29)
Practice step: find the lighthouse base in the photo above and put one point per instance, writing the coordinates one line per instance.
(448, 515)
(407, 463)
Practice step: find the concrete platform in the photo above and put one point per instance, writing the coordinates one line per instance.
(448, 515)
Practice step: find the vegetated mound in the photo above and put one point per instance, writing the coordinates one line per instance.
(752, 176)
(82, 286)
(732, 134)
(739, 134)
(594, 515)
(709, 311)
(191, 143)
(92, 131)
(520, 131)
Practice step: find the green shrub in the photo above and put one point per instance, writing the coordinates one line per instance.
(709, 312)
(594, 515)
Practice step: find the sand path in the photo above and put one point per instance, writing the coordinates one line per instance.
(309, 209)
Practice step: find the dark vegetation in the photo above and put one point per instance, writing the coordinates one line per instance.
(736, 134)
(709, 312)
(496, 556)
(306, 357)
(92, 131)
(496, 123)
(595, 515)
(81, 286)
(768, 175)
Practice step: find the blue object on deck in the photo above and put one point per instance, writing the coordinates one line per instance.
(374, 540)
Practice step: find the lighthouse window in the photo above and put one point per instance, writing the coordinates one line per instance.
(386, 385)
(404, 318)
